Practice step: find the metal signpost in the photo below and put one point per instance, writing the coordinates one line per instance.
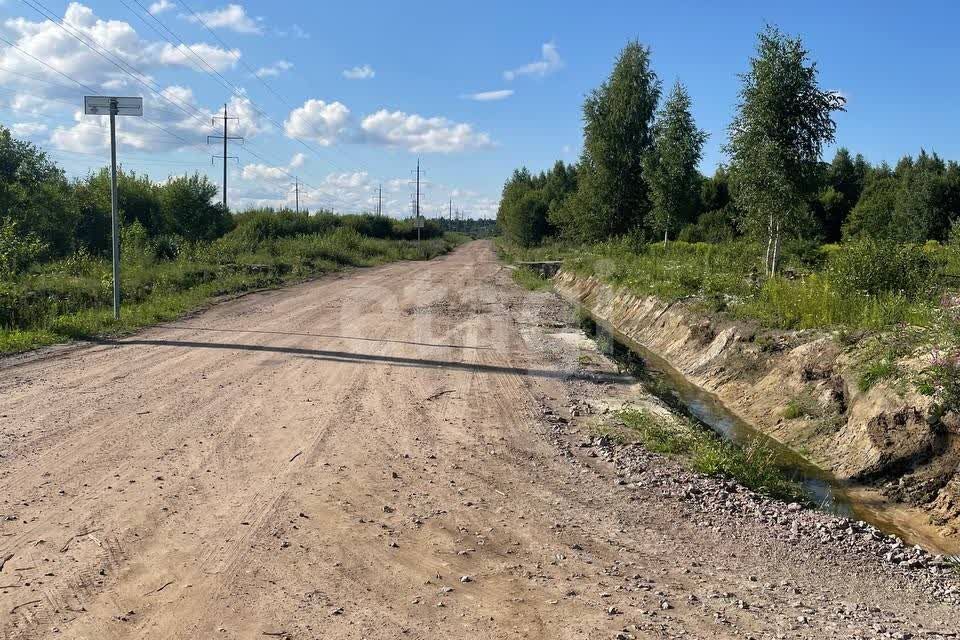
(418, 224)
(113, 106)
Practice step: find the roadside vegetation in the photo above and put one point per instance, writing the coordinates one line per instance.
(178, 250)
(530, 279)
(778, 235)
(754, 466)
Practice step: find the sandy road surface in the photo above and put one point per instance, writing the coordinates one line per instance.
(329, 460)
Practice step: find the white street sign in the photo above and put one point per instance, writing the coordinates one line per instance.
(418, 223)
(113, 107)
(100, 105)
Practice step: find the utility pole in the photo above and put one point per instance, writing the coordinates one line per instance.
(380, 200)
(296, 191)
(226, 138)
(418, 223)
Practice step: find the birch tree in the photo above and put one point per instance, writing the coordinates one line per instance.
(783, 121)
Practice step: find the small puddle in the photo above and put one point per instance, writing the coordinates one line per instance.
(829, 492)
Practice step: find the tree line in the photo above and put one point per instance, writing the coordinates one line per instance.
(44, 215)
(638, 172)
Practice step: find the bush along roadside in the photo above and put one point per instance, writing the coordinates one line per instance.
(71, 298)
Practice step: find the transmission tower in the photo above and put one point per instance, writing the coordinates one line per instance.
(226, 138)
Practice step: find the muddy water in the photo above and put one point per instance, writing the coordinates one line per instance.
(829, 492)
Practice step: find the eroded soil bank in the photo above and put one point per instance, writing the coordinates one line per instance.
(899, 466)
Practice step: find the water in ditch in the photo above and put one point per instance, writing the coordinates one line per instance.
(829, 492)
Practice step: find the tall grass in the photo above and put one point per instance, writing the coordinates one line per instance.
(72, 298)
(815, 302)
(725, 276)
(530, 279)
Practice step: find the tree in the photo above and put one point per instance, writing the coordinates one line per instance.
(715, 191)
(17, 250)
(919, 200)
(523, 209)
(612, 195)
(777, 137)
(670, 166)
(187, 210)
(35, 195)
(558, 184)
(844, 180)
(530, 219)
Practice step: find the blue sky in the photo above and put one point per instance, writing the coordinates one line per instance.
(473, 89)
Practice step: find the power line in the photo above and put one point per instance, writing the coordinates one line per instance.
(90, 89)
(229, 50)
(117, 62)
(223, 81)
(259, 110)
(142, 79)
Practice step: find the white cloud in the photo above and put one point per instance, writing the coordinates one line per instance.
(250, 122)
(89, 133)
(259, 172)
(319, 121)
(233, 17)
(28, 129)
(274, 69)
(160, 6)
(364, 72)
(548, 63)
(347, 180)
(489, 96)
(263, 172)
(54, 45)
(418, 134)
(180, 55)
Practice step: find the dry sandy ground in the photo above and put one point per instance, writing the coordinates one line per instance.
(366, 456)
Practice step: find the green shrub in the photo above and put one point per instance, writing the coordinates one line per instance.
(713, 227)
(875, 267)
(17, 250)
(942, 377)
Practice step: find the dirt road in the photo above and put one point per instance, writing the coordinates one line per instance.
(371, 456)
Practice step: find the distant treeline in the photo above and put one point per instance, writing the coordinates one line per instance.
(45, 216)
(638, 176)
(473, 227)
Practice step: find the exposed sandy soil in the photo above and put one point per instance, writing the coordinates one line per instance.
(376, 456)
(898, 463)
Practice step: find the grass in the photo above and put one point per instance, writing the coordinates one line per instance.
(754, 466)
(72, 298)
(803, 405)
(530, 279)
(512, 253)
(877, 371)
(726, 277)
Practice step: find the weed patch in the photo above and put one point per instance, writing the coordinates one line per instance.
(72, 299)
(753, 466)
(530, 279)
